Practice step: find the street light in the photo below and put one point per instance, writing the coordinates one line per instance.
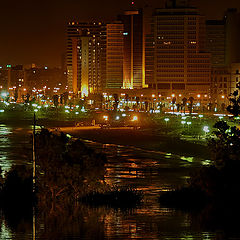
(183, 122)
(188, 124)
(206, 130)
(166, 120)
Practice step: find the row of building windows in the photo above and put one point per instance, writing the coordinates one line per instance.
(198, 75)
(197, 66)
(170, 66)
(169, 61)
(169, 37)
(170, 70)
(170, 56)
(170, 75)
(198, 70)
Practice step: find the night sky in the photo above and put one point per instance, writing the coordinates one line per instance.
(34, 31)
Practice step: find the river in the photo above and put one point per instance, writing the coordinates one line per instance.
(149, 171)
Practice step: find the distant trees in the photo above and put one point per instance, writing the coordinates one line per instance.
(173, 102)
(191, 99)
(184, 102)
(116, 101)
(55, 100)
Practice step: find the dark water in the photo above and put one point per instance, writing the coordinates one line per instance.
(148, 171)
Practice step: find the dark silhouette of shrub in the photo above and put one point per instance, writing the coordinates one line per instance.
(116, 198)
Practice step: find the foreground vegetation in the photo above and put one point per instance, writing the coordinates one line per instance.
(66, 171)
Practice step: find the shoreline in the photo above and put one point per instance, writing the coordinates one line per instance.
(148, 139)
(145, 140)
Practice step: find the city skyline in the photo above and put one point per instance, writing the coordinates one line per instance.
(39, 34)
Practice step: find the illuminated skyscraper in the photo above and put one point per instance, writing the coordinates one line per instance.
(86, 57)
(134, 49)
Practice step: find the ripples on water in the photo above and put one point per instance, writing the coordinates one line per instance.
(150, 171)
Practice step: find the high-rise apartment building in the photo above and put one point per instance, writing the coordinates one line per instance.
(180, 63)
(114, 55)
(86, 57)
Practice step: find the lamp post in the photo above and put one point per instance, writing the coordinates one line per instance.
(34, 153)
(206, 130)
(166, 120)
(189, 123)
(200, 103)
(34, 175)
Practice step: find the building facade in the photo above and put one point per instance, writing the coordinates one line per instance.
(216, 42)
(134, 49)
(180, 65)
(86, 57)
(114, 55)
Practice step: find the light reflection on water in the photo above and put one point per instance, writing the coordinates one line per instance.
(149, 171)
(13, 144)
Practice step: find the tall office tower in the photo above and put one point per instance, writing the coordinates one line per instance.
(177, 43)
(114, 55)
(232, 18)
(134, 49)
(86, 57)
(215, 41)
(177, 3)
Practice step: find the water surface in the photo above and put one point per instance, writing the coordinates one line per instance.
(149, 171)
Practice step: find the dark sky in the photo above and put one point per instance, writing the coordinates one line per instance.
(34, 31)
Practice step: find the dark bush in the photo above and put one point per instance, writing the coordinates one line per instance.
(117, 198)
(185, 198)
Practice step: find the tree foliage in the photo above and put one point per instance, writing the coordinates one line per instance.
(234, 107)
(66, 167)
(225, 146)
